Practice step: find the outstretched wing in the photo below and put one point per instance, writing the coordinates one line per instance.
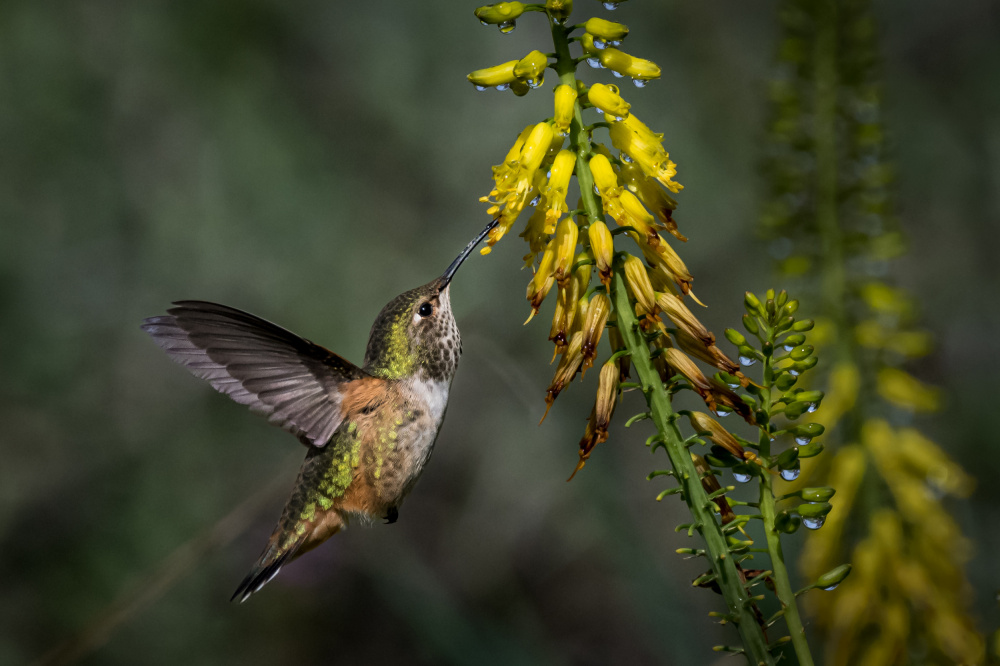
(295, 383)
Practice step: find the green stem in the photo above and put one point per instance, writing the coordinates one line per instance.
(724, 567)
(782, 585)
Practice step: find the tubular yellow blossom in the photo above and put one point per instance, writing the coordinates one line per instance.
(709, 353)
(636, 216)
(607, 398)
(650, 194)
(562, 317)
(535, 235)
(606, 30)
(502, 12)
(623, 63)
(706, 425)
(568, 366)
(633, 138)
(558, 185)
(542, 281)
(515, 182)
(564, 107)
(607, 98)
(494, 76)
(680, 363)
(662, 257)
(566, 237)
(683, 318)
(604, 176)
(597, 318)
(638, 283)
(581, 282)
(530, 68)
(602, 244)
(587, 43)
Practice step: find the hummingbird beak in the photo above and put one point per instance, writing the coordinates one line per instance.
(445, 279)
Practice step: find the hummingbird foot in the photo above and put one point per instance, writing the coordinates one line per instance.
(392, 515)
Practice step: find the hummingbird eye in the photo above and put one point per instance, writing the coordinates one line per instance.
(425, 310)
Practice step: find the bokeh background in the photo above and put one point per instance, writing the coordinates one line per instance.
(307, 162)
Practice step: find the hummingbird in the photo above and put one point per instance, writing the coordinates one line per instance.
(369, 430)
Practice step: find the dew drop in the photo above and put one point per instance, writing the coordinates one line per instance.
(484, 22)
(534, 202)
(742, 477)
(507, 27)
(596, 191)
(802, 441)
(722, 413)
(812, 408)
(611, 6)
(625, 158)
(814, 523)
(794, 373)
(831, 588)
(791, 474)
(594, 62)
(618, 119)
(503, 86)
(640, 83)
(548, 174)
(618, 75)
(600, 44)
(789, 347)
(747, 361)
(481, 88)
(534, 83)
(614, 42)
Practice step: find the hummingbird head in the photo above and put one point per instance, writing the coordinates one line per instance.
(415, 333)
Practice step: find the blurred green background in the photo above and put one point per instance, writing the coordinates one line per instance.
(307, 162)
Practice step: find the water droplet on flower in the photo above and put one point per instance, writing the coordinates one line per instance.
(618, 119)
(599, 44)
(594, 62)
(802, 441)
(507, 27)
(625, 158)
(484, 22)
(481, 88)
(534, 83)
(794, 373)
(747, 361)
(640, 83)
(548, 174)
(596, 191)
(534, 202)
(722, 413)
(814, 523)
(812, 408)
(742, 477)
(791, 474)
(614, 42)
(789, 347)
(618, 75)
(611, 6)
(831, 588)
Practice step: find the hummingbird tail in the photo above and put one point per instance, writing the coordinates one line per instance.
(278, 552)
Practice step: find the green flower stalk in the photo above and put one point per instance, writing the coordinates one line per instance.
(831, 225)
(641, 298)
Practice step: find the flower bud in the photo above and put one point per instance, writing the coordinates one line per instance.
(536, 145)
(801, 353)
(803, 325)
(497, 75)
(817, 510)
(623, 63)
(750, 324)
(735, 337)
(587, 42)
(593, 327)
(565, 249)
(531, 66)
(607, 398)
(638, 283)
(565, 104)
(602, 244)
(752, 303)
(810, 450)
(606, 30)
(502, 12)
(607, 98)
(833, 577)
(817, 494)
(786, 522)
(542, 281)
(604, 176)
(559, 10)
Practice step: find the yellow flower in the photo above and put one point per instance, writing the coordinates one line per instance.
(531, 67)
(497, 75)
(593, 327)
(567, 234)
(638, 283)
(607, 98)
(683, 318)
(555, 191)
(607, 30)
(704, 424)
(565, 105)
(607, 398)
(641, 145)
(502, 12)
(568, 366)
(663, 258)
(603, 247)
(559, 10)
(628, 65)
(515, 179)
(542, 281)
(650, 194)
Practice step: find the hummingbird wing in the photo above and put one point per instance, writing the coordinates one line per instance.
(295, 383)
